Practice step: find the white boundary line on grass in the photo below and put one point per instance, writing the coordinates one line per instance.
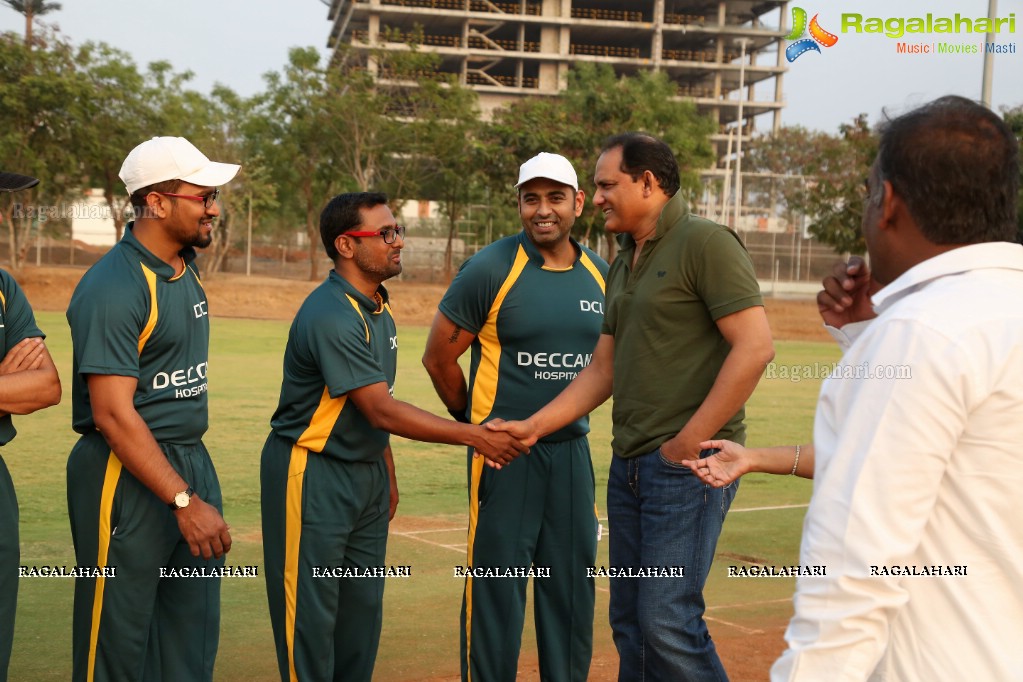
(454, 548)
(740, 628)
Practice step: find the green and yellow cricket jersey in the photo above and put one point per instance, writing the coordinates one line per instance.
(16, 324)
(535, 327)
(340, 340)
(126, 320)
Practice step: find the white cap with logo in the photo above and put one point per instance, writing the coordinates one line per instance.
(551, 166)
(172, 158)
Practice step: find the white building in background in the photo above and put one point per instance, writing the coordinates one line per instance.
(91, 220)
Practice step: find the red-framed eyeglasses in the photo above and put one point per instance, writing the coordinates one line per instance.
(388, 233)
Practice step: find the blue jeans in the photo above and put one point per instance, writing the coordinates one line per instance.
(660, 514)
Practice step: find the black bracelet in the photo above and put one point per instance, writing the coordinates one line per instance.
(459, 416)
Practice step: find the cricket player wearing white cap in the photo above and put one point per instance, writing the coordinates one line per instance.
(143, 495)
(530, 307)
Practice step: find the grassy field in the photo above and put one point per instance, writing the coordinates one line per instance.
(420, 636)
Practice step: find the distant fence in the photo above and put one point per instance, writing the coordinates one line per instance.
(776, 257)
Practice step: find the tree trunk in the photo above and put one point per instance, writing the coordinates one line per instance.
(28, 24)
(117, 216)
(452, 226)
(221, 245)
(12, 244)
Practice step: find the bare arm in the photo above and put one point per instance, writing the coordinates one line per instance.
(446, 343)
(749, 336)
(733, 460)
(114, 412)
(402, 419)
(28, 378)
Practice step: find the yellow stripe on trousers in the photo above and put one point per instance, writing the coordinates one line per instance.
(106, 507)
(474, 512)
(292, 538)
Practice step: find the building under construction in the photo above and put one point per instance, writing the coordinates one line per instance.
(520, 48)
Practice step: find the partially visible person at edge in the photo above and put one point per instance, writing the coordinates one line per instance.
(327, 471)
(28, 382)
(924, 474)
(538, 294)
(143, 495)
(684, 341)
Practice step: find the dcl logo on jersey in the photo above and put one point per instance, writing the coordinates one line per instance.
(183, 380)
(592, 307)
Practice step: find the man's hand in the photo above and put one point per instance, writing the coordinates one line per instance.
(846, 294)
(729, 463)
(26, 355)
(504, 441)
(680, 449)
(204, 529)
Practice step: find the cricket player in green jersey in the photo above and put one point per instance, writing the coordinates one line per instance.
(143, 494)
(530, 306)
(327, 473)
(28, 382)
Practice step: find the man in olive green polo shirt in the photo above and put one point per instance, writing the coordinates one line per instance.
(685, 340)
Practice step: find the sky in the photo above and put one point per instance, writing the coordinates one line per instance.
(235, 42)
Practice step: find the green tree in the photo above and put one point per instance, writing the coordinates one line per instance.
(826, 172)
(300, 140)
(444, 147)
(116, 115)
(220, 124)
(37, 128)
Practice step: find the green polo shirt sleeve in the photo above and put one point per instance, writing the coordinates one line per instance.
(339, 346)
(105, 327)
(722, 274)
(468, 300)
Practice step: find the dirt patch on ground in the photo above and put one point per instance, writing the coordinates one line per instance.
(267, 298)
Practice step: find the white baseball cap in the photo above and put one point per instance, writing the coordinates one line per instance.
(172, 158)
(551, 166)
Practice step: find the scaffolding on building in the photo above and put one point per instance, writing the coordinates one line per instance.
(717, 51)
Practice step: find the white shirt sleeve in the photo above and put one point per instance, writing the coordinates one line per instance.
(847, 334)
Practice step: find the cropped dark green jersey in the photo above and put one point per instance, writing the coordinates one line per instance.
(535, 327)
(340, 340)
(16, 323)
(134, 315)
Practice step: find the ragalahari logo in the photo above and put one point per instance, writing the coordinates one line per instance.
(818, 36)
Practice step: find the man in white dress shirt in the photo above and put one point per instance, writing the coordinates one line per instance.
(917, 508)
